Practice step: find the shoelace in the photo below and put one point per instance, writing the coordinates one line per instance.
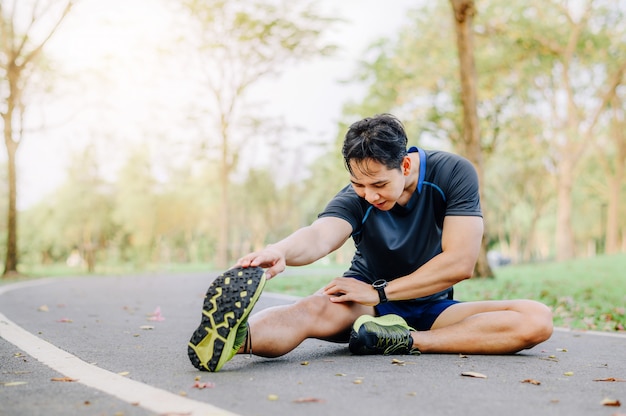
(392, 341)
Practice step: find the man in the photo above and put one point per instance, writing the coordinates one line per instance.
(416, 223)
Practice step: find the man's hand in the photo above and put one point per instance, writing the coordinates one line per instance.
(346, 289)
(268, 258)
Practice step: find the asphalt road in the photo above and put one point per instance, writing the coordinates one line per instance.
(98, 346)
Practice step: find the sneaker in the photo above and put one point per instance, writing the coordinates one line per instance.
(224, 326)
(387, 334)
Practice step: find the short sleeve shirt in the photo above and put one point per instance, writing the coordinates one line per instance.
(394, 243)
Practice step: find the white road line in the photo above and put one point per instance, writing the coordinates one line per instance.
(130, 391)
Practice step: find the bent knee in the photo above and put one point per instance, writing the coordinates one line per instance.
(324, 318)
(537, 325)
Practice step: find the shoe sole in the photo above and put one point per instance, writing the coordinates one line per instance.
(227, 304)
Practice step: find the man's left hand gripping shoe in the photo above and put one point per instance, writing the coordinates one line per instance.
(223, 329)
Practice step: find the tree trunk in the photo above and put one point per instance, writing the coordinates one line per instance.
(464, 11)
(10, 262)
(223, 241)
(564, 232)
(611, 243)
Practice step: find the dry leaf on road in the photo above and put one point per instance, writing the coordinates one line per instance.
(611, 402)
(65, 379)
(532, 381)
(13, 383)
(308, 400)
(199, 385)
(473, 374)
(156, 315)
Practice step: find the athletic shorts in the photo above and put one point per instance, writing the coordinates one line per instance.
(419, 314)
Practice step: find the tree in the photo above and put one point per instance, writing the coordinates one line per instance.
(464, 11)
(239, 43)
(22, 39)
(76, 217)
(429, 99)
(576, 69)
(611, 153)
(135, 209)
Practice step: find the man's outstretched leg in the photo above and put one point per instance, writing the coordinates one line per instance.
(278, 330)
(223, 329)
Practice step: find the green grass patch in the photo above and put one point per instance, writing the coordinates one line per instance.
(582, 293)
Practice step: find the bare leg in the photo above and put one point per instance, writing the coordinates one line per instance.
(488, 327)
(278, 330)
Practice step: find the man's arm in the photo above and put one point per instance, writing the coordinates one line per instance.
(460, 241)
(304, 246)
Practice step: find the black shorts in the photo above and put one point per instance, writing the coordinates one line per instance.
(419, 314)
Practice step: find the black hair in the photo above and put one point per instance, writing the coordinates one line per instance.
(381, 138)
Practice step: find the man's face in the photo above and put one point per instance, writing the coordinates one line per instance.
(378, 185)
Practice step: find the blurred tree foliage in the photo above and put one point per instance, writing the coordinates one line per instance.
(551, 105)
(551, 93)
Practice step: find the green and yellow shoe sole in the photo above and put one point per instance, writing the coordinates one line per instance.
(227, 304)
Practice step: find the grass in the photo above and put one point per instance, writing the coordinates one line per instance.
(585, 294)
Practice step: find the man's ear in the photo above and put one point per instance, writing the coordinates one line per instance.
(406, 165)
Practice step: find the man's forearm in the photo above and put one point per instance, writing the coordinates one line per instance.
(300, 248)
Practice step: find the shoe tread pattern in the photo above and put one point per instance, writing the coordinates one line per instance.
(225, 305)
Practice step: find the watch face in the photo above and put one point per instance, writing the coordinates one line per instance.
(379, 284)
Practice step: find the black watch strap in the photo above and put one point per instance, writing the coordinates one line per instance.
(380, 286)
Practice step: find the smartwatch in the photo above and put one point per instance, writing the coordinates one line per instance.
(380, 286)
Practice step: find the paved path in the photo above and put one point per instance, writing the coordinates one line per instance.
(93, 330)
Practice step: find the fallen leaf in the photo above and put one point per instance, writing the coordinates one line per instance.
(123, 373)
(340, 375)
(156, 315)
(397, 362)
(272, 397)
(65, 320)
(146, 327)
(64, 379)
(308, 400)
(199, 385)
(561, 349)
(531, 381)
(611, 402)
(304, 363)
(43, 308)
(358, 381)
(462, 356)
(473, 374)
(568, 373)
(609, 379)
(13, 383)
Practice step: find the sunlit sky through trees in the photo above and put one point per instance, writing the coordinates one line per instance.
(110, 91)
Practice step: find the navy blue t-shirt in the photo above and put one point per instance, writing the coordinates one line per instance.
(395, 243)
